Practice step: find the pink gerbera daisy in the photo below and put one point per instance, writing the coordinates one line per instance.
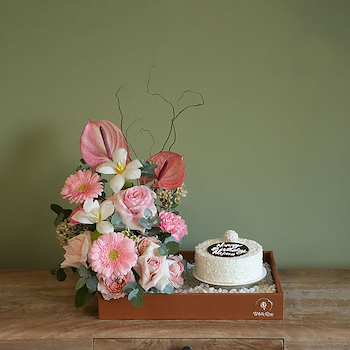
(112, 254)
(82, 185)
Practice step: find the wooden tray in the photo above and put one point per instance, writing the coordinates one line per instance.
(247, 306)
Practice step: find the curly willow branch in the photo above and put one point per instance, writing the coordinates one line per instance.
(120, 110)
(156, 94)
(154, 141)
(172, 123)
(126, 134)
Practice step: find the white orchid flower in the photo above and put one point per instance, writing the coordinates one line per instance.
(94, 213)
(122, 170)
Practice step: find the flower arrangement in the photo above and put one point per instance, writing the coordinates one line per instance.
(127, 243)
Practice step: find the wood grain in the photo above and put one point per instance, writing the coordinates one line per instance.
(195, 344)
(36, 309)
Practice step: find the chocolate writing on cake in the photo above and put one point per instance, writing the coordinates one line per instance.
(228, 249)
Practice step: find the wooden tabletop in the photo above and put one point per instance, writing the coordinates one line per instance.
(37, 312)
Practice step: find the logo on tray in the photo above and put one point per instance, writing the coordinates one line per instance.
(265, 306)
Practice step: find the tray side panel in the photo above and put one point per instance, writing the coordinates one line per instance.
(200, 306)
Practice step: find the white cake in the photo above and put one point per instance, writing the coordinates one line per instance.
(230, 260)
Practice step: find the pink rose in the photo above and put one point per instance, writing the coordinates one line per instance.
(176, 269)
(112, 288)
(173, 224)
(153, 271)
(130, 204)
(147, 243)
(77, 250)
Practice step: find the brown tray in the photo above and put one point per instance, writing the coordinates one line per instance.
(248, 306)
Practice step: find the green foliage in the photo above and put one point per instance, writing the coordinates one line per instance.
(135, 293)
(102, 196)
(80, 283)
(162, 236)
(82, 296)
(147, 169)
(91, 283)
(117, 222)
(83, 272)
(129, 287)
(87, 278)
(168, 289)
(62, 214)
(147, 213)
(149, 220)
(59, 274)
(145, 223)
(127, 185)
(169, 248)
(82, 165)
(95, 235)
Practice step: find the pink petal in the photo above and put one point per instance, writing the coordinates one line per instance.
(92, 144)
(170, 173)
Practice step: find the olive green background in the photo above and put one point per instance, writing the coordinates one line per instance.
(267, 155)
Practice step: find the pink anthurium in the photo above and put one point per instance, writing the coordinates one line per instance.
(99, 140)
(170, 173)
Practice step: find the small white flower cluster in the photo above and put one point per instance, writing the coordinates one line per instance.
(65, 232)
(128, 233)
(191, 285)
(170, 197)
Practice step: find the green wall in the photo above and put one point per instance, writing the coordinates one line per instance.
(267, 155)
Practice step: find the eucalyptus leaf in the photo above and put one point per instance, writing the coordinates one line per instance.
(154, 231)
(62, 214)
(82, 296)
(133, 294)
(147, 168)
(147, 213)
(91, 283)
(80, 283)
(144, 222)
(83, 272)
(60, 275)
(169, 248)
(138, 299)
(169, 239)
(162, 250)
(163, 235)
(116, 219)
(172, 248)
(59, 219)
(169, 289)
(129, 287)
(184, 263)
(155, 220)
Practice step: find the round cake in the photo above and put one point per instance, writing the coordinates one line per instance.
(230, 260)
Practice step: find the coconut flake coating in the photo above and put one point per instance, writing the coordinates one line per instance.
(231, 270)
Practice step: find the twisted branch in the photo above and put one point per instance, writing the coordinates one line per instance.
(154, 141)
(120, 110)
(175, 116)
(126, 134)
